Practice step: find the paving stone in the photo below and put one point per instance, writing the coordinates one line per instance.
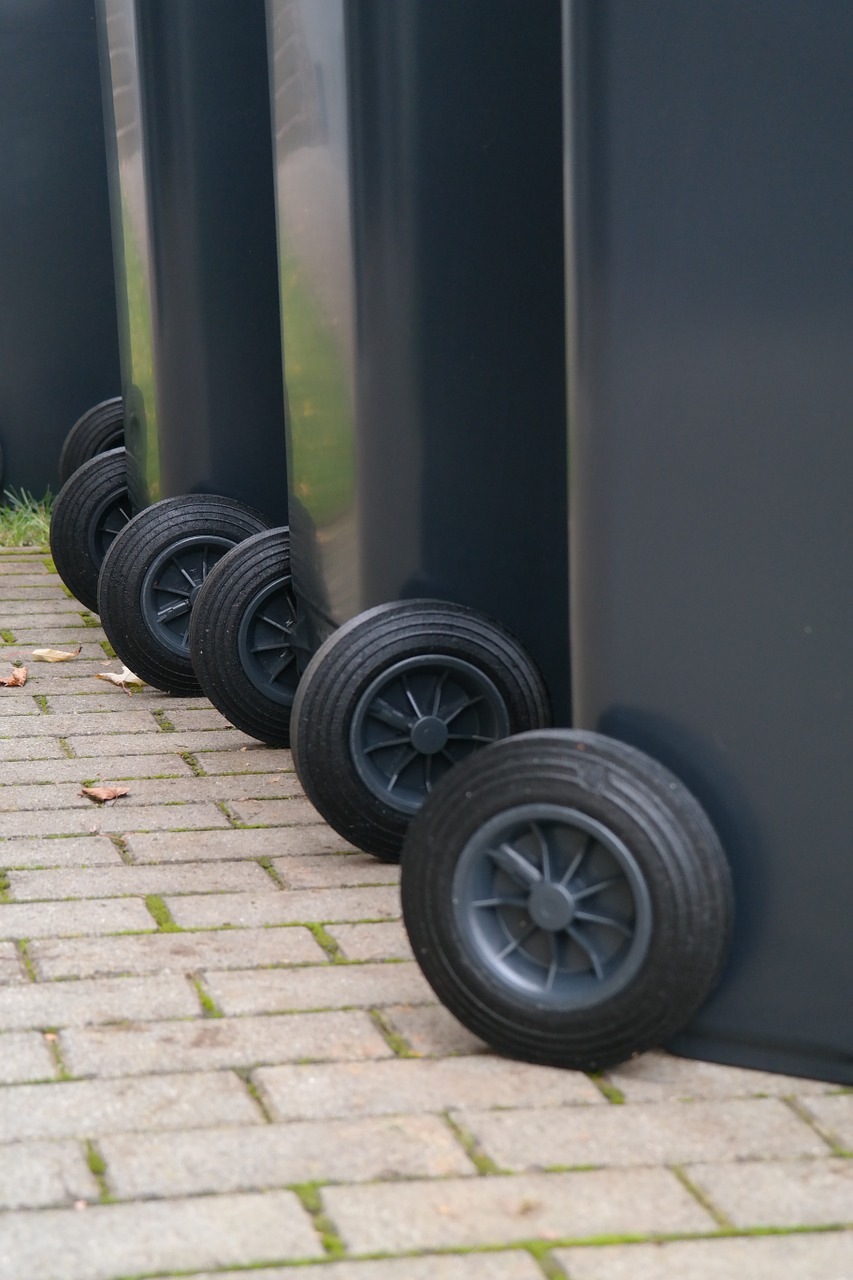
(661, 1077)
(663, 1133)
(122, 815)
(282, 906)
(24, 1056)
(349, 1090)
(20, 600)
(195, 719)
(187, 789)
(274, 813)
(175, 952)
(827, 1256)
(112, 1240)
(121, 880)
(793, 1193)
(46, 623)
(256, 759)
(834, 1114)
(372, 941)
(334, 986)
(432, 1031)
(516, 1265)
(65, 795)
(101, 696)
(37, 1174)
(330, 871)
(242, 842)
(95, 723)
(221, 1160)
(16, 703)
(67, 919)
(70, 851)
(203, 1045)
(11, 969)
(16, 748)
(129, 743)
(94, 1000)
(479, 1211)
(81, 1108)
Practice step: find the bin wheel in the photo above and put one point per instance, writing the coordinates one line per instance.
(567, 899)
(393, 700)
(241, 637)
(152, 576)
(90, 510)
(99, 429)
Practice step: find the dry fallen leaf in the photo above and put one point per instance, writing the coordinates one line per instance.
(124, 678)
(55, 655)
(102, 794)
(17, 679)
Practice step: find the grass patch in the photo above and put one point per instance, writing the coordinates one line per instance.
(24, 520)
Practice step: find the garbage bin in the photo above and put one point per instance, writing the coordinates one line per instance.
(189, 143)
(710, 388)
(419, 188)
(58, 342)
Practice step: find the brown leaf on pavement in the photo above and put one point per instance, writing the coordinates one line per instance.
(124, 678)
(55, 655)
(101, 794)
(17, 679)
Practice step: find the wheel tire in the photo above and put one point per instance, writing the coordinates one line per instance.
(90, 510)
(100, 429)
(240, 637)
(401, 660)
(545, 809)
(149, 565)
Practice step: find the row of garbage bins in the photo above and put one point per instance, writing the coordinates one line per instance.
(366, 557)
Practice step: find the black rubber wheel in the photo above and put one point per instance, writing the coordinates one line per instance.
(241, 637)
(99, 429)
(567, 899)
(90, 510)
(396, 698)
(152, 576)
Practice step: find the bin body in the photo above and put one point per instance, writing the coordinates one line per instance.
(58, 342)
(188, 143)
(418, 162)
(710, 198)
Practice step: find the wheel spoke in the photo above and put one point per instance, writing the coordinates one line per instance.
(463, 706)
(279, 626)
(388, 742)
(521, 903)
(204, 563)
(555, 961)
(439, 690)
(170, 611)
(608, 921)
(544, 852)
(428, 773)
(411, 697)
(190, 579)
(382, 710)
(287, 659)
(596, 888)
(590, 950)
(577, 860)
(470, 737)
(172, 591)
(407, 759)
(515, 865)
(517, 942)
(273, 647)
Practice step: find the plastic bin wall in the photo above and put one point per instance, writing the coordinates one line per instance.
(419, 161)
(711, 200)
(58, 343)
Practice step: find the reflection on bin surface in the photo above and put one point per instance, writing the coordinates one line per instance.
(711, 385)
(419, 186)
(188, 141)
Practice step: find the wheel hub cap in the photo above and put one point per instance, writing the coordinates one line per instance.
(551, 906)
(429, 735)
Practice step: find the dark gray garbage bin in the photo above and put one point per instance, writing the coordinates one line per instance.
(58, 342)
(419, 188)
(189, 142)
(710, 390)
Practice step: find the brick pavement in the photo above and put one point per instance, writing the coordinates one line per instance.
(217, 1058)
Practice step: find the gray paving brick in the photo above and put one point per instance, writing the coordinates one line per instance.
(24, 1056)
(372, 941)
(242, 842)
(20, 600)
(516, 1265)
(333, 870)
(11, 969)
(275, 813)
(222, 1160)
(283, 906)
(827, 1256)
(178, 952)
(432, 1031)
(349, 1090)
(181, 790)
(119, 1240)
(127, 742)
(835, 1115)
(34, 1175)
(15, 748)
(661, 1077)
(16, 704)
(256, 759)
(137, 1049)
(59, 795)
(780, 1193)
(333, 987)
(67, 919)
(663, 1133)
(72, 851)
(121, 815)
(478, 1211)
(120, 881)
(82, 1108)
(47, 622)
(94, 1000)
(193, 720)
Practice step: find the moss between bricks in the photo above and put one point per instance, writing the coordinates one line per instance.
(312, 1203)
(158, 910)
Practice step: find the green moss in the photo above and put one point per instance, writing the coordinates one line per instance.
(158, 910)
(5, 885)
(40, 699)
(189, 759)
(8, 636)
(611, 1093)
(209, 1007)
(23, 948)
(397, 1043)
(481, 1162)
(163, 720)
(108, 649)
(310, 1196)
(89, 620)
(698, 1194)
